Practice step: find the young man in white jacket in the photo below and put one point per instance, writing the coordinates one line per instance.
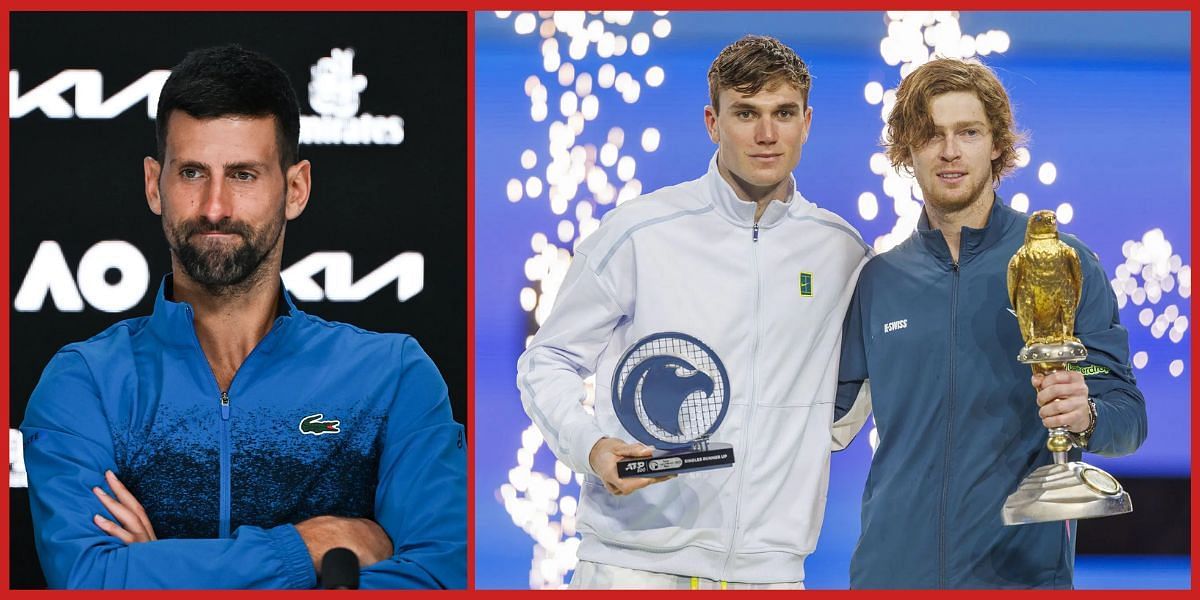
(740, 261)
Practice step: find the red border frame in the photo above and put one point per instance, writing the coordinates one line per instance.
(479, 5)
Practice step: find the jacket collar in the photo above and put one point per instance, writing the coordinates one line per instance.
(739, 211)
(972, 242)
(172, 322)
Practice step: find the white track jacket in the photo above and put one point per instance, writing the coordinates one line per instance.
(689, 258)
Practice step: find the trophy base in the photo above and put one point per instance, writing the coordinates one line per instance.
(1061, 492)
(673, 462)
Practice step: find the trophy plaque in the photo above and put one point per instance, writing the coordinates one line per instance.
(1044, 285)
(671, 392)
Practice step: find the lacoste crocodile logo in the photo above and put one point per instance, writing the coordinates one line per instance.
(316, 425)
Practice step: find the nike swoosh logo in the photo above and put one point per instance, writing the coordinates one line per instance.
(1014, 313)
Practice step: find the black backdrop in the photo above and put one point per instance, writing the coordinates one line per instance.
(78, 181)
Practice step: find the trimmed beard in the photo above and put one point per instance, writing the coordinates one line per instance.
(220, 269)
(944, 206)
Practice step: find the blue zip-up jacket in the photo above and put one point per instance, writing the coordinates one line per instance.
(957, 416)
(224, 476)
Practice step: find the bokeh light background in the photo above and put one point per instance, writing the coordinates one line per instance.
(579, 111)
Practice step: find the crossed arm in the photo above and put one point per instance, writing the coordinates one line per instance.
(420, 502)
(369, 542)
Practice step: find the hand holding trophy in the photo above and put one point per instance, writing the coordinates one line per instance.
(1044, 286)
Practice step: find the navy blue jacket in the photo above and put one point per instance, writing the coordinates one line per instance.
(957, 416)
(224, 477)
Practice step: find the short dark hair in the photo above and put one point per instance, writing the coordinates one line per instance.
(230, 80)
(756, 62)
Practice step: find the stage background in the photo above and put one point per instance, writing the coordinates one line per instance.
(1103, 95)
(77, 181)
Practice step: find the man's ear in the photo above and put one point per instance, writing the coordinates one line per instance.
(710, 123)
(152, 170)
(299, 185)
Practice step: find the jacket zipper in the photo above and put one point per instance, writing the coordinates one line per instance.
(226, 502)
(737, 501)
(226, 492)
(949, 431)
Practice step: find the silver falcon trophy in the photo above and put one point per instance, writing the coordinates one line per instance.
(1044, 286)
(671, 391)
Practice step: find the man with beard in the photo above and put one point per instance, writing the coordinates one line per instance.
(932, 330)
(230, 439)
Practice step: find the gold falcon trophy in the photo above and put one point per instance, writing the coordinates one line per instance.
(1044, 286)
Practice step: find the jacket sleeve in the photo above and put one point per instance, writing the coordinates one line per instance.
(421, 499)
(1120, 407)
(68, 447)
(853, 403)
(566, 349)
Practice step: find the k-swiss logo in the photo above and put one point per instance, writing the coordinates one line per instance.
(316, 425)
(894, 325)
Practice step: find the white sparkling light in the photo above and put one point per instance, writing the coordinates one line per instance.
(1020, 202)
(873, 92)
(528, 299)
(568, 505)
(620, 46)
(1064, 213)
(525, 23)
(583, 85)
(1176, 368)
(566, 74)
(1023, 157)
(590, 107)
(650, 139)
(533, 187)
(1000, 40)
(868, 206)
(626, 168)
(879, 163)
(597, 180)
(578, 48)
(632, 92)
(537, 242)
(654, 76)
(1047, 173)
(616, 137)
(1140, 358)
(566, 230)
(983, 44)
(1146, 316)
(608, 154)
(662, 28)
(568, 103)
(514, 190)
(583, 210)
(606, 75)
(622, 81)
(606, 46)
(640, 43)
(595, 30)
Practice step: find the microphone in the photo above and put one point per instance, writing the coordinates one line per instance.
(339, 570)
